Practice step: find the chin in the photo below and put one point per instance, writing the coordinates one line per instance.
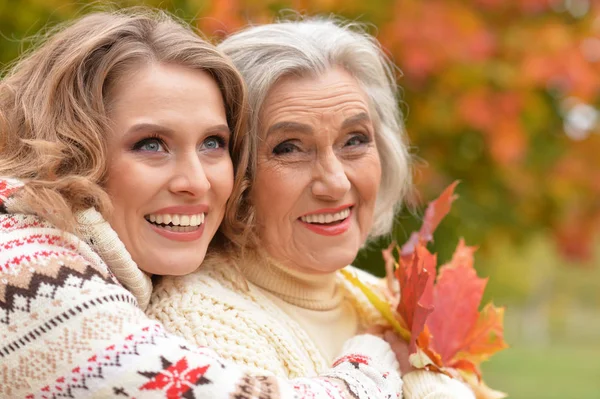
(174, 265)
(333, 264)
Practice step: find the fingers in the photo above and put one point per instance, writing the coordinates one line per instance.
(400, 349)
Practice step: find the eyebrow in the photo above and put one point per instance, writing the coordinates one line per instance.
(149, 127)
(218, 129)
(353, 120)
(153, 127)
(290, 126)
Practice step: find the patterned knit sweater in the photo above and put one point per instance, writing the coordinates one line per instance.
(70, 328)
(250, 313)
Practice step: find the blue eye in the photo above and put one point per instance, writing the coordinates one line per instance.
(357, 140)
(213, 143)
(150, 145)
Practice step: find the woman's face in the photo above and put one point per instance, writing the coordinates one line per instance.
(318, 172)
(170, 173)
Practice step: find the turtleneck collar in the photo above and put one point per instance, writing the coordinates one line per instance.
(308, 291)
(98, 233)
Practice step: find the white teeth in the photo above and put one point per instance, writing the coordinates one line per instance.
(177, 220)
(326, 217)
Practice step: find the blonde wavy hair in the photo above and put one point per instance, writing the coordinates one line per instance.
(53, 105)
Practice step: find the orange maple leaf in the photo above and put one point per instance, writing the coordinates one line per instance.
(457, 295)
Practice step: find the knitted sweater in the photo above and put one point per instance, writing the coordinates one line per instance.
(69, 327)
(276, 321)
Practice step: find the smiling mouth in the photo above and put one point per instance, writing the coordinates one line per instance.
(176, 223)
(327, 219)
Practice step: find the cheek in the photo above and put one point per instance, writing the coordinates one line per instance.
(367, 178)
(128, 184)
(274, 193)
(220, 176)
(119, 184)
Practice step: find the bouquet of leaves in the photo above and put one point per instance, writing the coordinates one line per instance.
(439, 315)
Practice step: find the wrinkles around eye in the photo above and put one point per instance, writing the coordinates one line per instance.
(287, 147)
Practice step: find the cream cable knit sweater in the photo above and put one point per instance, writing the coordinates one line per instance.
(68, 328)
(249, 312)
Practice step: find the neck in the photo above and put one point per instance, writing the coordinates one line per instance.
(305, 290)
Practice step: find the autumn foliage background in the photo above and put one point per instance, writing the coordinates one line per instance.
(502, 95)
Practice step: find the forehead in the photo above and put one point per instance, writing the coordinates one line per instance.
(167, 93)
(167, 81)
(334, 94)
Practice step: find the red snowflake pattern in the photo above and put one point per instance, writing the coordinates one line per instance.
(176, 379)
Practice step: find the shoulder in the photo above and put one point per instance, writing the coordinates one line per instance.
(217, 277)
(53, 288)
(215, 290)
(29, 241)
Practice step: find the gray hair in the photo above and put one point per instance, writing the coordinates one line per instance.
(264, 54)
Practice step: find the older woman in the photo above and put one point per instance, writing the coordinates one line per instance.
(329, 165)
(133, 115)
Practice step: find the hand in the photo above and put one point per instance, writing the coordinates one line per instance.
(400, 348)
(377, 330)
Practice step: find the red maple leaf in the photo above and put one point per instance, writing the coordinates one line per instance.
(416, 274)
(458, 293)
(435, 212)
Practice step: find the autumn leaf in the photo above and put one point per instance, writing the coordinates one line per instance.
(440, 318)
(424, 357)
(486, 337)
(390, 267)
(416, 275)
(380, 304)
(435, 212)
(458, 292)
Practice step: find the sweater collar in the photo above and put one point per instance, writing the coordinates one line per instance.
(308, 291)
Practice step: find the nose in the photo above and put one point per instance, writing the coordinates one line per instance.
(189, 176)
(330, 180)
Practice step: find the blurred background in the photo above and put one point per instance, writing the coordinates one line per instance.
(502, 95)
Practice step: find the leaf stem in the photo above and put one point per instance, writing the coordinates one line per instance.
(381, 305)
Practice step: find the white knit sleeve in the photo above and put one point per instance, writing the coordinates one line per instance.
(369, 368)
(423, 384)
